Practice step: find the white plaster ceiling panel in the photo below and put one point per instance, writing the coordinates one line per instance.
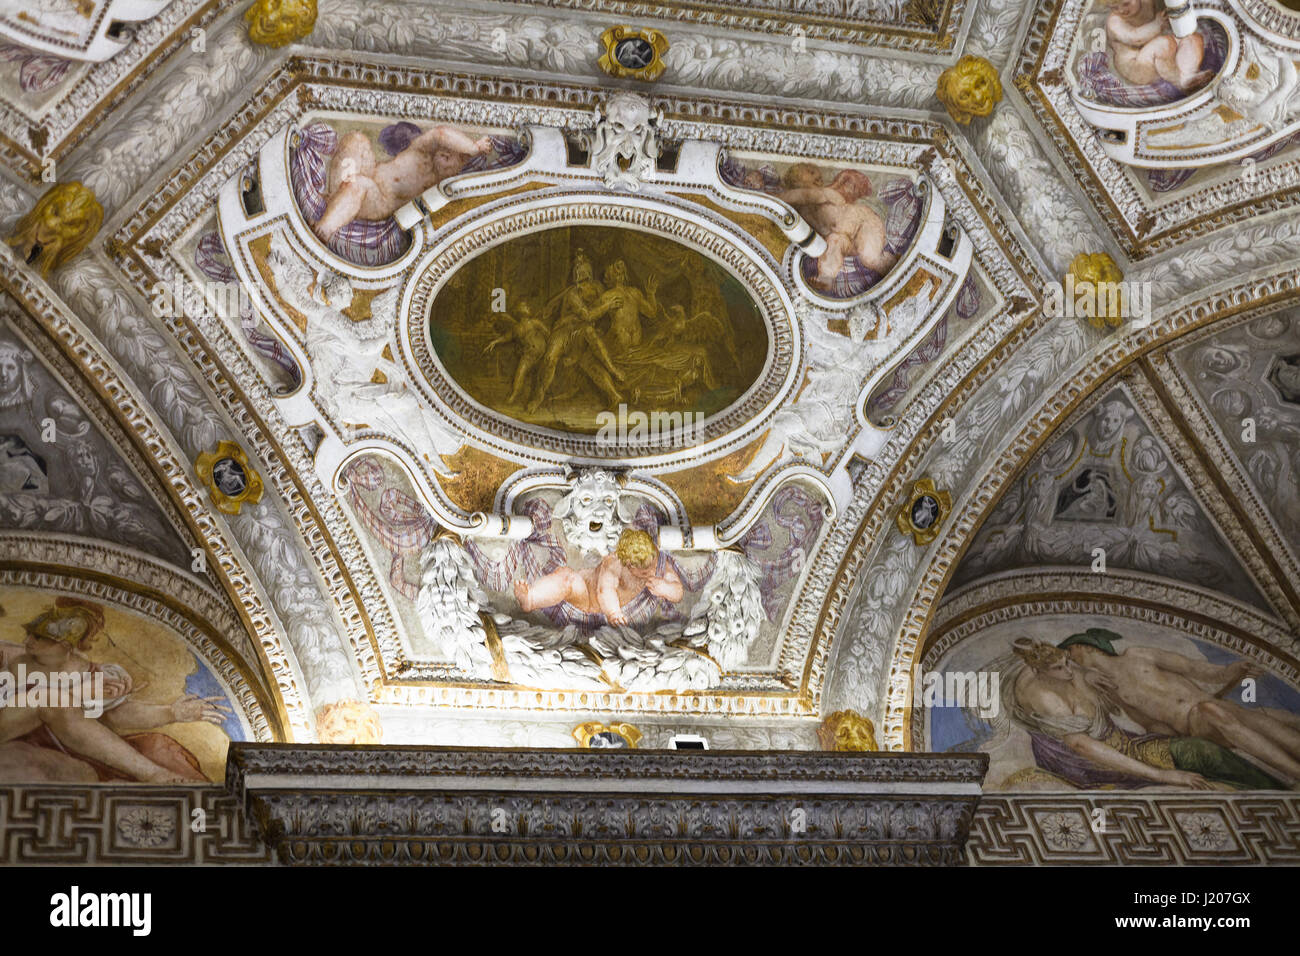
(54, 88)
(1241, 382)
(61, 473)
(1107, 484)
(780, 658)
(1204, 158)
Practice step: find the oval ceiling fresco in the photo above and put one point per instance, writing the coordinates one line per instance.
(572, 327)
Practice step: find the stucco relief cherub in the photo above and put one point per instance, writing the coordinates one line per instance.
(598, 603)
(345, 355)
(1267, 90)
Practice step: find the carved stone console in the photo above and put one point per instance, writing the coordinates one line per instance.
(318, 804)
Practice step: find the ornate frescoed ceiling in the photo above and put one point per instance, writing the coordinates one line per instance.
(470, 375)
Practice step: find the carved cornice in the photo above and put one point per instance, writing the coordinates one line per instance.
(61, 825)
(407, 804)
(73, 378)
(1114, 588)
(919, 27)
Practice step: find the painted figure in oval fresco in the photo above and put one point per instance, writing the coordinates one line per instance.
(847, 227)
(348, 193)
(527, 328)
(361, 187)
(1131, 58)
(113, 728)
(1084, 713)
(867, 220)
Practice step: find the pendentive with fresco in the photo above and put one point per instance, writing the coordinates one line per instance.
(143, 707)
(591, 394)
(1107, 628)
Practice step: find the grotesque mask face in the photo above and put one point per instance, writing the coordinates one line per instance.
(60, 226)
(83, 458)
(275, 23)
(1287, 378)
(969, 88)
(847, 731)
(1219, 360)
(1110, 421)
(625, 113)
(849, 736)
(10, 373)
(590, 513)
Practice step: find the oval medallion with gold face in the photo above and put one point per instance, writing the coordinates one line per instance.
(599, 330)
